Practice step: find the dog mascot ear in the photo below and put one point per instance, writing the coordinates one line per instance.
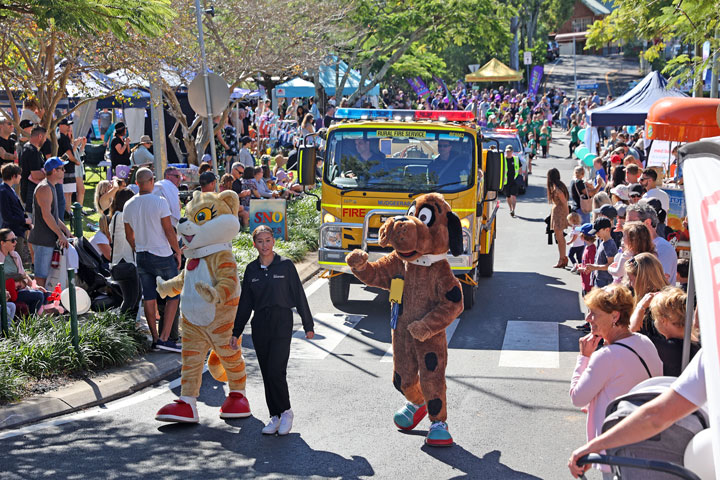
(455, 236)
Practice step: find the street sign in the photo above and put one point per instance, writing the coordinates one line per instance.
(527, 58)
(219, 94)
(587, 85)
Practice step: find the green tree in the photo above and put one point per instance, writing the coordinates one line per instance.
(80, 17)
(691, 22)
(380, 33)
(42, 60)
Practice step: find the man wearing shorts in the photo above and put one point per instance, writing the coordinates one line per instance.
(150, 233)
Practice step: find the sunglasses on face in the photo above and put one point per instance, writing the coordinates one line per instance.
(11, 240)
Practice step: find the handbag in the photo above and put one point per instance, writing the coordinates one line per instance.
(585, 201)
(122, 271)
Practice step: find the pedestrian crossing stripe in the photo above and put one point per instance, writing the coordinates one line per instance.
(530, 345)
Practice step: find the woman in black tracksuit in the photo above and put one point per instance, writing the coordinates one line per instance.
(270, 288)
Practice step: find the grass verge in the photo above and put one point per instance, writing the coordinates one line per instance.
(40, 347)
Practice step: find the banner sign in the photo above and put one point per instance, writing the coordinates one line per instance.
(421, 90)
(448, 95)
(659, 155)
(535, 78)
(271, 213)
(702, 193)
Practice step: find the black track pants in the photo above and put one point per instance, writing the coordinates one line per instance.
(271, 335)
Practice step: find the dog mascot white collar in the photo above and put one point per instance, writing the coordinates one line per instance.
(427, 260)
(206, 250)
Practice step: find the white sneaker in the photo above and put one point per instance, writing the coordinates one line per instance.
(272, 427)
(286, 420)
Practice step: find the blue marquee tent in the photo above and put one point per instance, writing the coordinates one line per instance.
(632, 107)
(327, 76)
(297, 87)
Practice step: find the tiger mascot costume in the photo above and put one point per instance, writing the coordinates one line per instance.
(209, 293)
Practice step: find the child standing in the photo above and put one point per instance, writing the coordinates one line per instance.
(532, 145)
(587, 258)
(544, 140)
(576, 244)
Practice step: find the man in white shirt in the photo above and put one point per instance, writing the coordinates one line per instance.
(168, 189)
(644, 212)
(150, 233)
(648, 181)
(685, 396)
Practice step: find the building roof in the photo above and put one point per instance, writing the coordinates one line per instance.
(597, 7)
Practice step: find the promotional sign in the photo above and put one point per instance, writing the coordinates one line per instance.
(678, 211)
(701, 171)
(271, 213)
(421, 90)
(659, 155)
(535, 77)
(448, 95)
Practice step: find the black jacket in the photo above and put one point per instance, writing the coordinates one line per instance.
(278, 285)
(13, 215)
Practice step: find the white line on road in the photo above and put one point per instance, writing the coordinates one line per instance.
(530, 345)
(449, 331)
(330, 330)
(315, 286)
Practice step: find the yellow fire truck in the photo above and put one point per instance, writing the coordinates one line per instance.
(377, 161)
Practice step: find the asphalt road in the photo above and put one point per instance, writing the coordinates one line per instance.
(613, 74)
(510, 361)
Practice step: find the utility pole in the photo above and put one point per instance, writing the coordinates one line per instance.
(208, 99)
(575, 70)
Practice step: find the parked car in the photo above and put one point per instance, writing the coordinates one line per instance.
(505, 137)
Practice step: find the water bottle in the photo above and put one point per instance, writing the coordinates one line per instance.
(55, 259)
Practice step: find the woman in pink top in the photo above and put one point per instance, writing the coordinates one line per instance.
(624, 360)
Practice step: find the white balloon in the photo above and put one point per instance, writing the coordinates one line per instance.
(699, 456)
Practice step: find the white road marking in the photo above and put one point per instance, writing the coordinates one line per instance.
(449, 331)
(315, 286)
(330, 329)
(530, 345)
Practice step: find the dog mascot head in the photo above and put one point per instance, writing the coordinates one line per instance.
(428, 227)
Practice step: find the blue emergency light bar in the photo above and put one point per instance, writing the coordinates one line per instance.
(403, 115)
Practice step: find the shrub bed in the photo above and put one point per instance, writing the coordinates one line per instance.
(303, 222)
(40, 347)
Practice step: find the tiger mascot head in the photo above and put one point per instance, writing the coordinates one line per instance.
(210, 218)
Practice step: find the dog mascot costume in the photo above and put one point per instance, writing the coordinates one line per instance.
(209, 293)
(430, 300)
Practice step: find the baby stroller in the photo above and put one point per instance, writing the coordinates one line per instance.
(94, 277)
(661, 453)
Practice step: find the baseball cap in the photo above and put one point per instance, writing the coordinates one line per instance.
(206, 178)
(52, 163)
(635, 190)
(26, 123)
(65, 121)
(584, 228)
(615, 159)
(606, 211)
(599, 224)
(621, 191)
(621, 209)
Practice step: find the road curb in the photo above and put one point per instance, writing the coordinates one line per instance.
(90, 392)
(112, 384)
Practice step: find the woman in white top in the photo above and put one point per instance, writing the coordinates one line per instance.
(624, 360)
(101, 239)
(121, 250)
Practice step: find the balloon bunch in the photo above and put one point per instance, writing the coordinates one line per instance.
(583, 153)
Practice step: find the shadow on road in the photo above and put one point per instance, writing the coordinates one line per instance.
(488, 466)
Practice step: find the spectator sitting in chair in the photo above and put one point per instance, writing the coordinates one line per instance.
(33, 298)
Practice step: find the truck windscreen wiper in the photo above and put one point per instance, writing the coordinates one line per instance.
(435, 187)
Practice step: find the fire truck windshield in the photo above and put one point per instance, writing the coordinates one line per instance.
(400, 159)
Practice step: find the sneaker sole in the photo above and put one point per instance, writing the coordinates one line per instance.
(283, 434)
(175, 418)
(414, 424)
(169, 349)
(439, 443)
(235, 415)
(269, 433)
